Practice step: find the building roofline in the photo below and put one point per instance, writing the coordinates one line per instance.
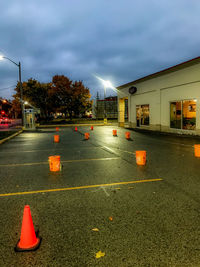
(163, 72)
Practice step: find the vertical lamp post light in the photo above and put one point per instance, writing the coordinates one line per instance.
(20, 85)
(107, 84)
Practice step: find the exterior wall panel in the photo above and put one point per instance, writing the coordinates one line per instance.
(158, 92)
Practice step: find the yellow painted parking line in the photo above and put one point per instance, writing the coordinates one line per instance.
(51, 150)
(46, 162)
(78, 187)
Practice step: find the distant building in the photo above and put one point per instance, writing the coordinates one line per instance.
(110, 105)
(167, 101)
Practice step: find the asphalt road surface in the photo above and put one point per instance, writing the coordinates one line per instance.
(101, 200)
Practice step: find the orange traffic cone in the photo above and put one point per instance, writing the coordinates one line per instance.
(28, 240)
(92, 128)
(57, 129)
(76, 129)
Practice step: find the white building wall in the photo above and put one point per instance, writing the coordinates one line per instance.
(179, 85)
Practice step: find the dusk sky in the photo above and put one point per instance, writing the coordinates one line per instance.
(116, 40)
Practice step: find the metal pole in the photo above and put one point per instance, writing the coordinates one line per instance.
(21, 95)
(104, 102)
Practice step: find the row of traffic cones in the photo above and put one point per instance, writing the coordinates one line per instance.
(87, 135)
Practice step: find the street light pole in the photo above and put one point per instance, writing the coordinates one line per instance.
(21, 95)
(20, 86)
(105, 102)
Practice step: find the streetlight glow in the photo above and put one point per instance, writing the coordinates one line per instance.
(107, 84)
(1, 57)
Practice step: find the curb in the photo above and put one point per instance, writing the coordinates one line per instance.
(72, 125)
(9, 137)
(172, 134)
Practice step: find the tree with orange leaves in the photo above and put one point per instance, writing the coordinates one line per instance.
(72, 98)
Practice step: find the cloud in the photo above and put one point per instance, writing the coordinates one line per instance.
(121, 40)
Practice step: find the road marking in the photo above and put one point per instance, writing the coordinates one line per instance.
(46, 162)
(117, 149)
(39, 150)
(103, 188)
(79, 187)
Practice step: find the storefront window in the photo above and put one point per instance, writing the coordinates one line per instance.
(175, 115)
(145, 115)
(183, 114)
(142, 115)
(189, 115)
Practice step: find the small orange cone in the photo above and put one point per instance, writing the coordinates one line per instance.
(127, 135)
(76, 129)
(87, 136)
(140, 157)
(28, 240)
(114, 132)
(197, 151)
(54, 163)
(92, 128)
(56, 138)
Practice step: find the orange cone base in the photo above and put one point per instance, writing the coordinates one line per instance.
(34, 247)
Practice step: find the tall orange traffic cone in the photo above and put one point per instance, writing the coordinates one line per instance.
(28, 240)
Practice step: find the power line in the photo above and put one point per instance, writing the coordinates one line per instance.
(7, 88)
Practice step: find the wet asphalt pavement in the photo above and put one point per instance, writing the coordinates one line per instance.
(154, 223)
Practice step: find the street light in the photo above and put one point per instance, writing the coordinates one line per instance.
(20, 85)
(106, 84)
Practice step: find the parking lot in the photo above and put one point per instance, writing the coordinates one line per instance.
(101, 200)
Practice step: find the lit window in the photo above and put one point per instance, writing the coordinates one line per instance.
(183, 114)
(142, 115)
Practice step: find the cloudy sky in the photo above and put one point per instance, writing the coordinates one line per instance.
(117, 40)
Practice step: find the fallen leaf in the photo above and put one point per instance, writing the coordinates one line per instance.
(111, 218)
(95, 229)
(100, 254)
